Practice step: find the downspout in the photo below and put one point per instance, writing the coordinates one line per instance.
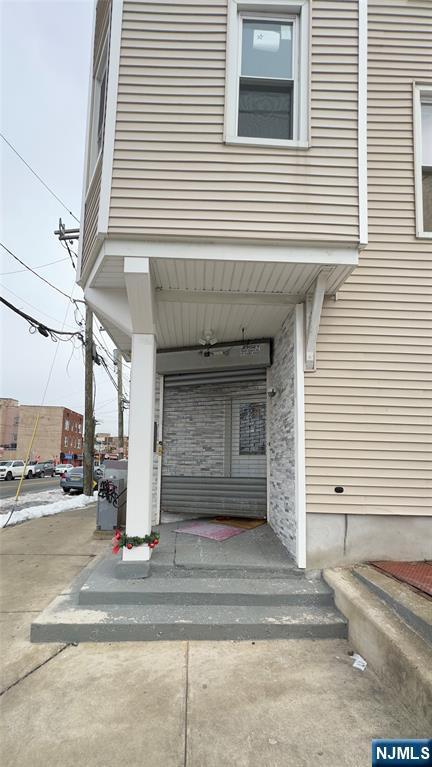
(362, 150)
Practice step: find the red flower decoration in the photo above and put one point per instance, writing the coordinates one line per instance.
(116, 549)
(129, 546)
(117, 535)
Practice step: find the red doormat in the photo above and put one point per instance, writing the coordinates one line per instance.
(417, 574)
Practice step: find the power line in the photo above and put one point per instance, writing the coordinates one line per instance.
(43, 329)
(29, 304)
(38, 177)
(65, 244)
(41, 266)
(59, 333)
(35, 273)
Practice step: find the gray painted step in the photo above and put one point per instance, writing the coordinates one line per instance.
(102, 587)
(200, 571)
(66, 621)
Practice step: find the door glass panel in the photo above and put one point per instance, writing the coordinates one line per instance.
(266, 49)
(252, 428)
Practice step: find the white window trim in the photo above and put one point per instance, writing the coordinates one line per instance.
(94, 157)
(420, 93)
(299, 14)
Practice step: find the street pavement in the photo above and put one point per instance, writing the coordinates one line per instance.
(8, 489)
(285, 703)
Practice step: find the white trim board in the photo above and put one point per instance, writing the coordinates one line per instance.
(362, 118)
(299, 431)
(271, 253)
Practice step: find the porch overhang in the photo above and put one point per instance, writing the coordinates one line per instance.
(190, 289)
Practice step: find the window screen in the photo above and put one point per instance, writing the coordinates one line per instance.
(266, 80)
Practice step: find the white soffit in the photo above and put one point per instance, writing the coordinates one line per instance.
(241, 276)
(231, 276)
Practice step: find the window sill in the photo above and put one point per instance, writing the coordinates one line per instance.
(267, 142)
(423, 235)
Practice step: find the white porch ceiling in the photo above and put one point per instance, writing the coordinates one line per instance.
(183, 324)
(227, 297)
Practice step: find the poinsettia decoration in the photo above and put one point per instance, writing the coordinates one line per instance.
(129, 541)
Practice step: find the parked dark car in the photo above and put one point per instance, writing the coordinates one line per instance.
(74, 479)
(45, 469)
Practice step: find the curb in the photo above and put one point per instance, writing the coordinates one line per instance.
(399, 657)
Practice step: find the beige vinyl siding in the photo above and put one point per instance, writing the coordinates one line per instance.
(369, 405)
(173, 176)
(91, 214)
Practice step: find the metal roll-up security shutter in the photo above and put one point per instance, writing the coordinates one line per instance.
(202, 468)
(250, 375)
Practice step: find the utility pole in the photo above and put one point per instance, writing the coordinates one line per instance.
(120, 404)
(89, 425)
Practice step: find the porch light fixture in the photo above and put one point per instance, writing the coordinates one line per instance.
(208, 339)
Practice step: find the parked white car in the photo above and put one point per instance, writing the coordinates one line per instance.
(62, 467)
(14, 470)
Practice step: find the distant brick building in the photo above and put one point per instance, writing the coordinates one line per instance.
(59, 434)
(107, 445)
(8, 422)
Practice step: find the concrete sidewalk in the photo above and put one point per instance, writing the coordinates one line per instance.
(166, 704)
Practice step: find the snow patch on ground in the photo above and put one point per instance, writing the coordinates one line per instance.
(46, 509)
(31, 499)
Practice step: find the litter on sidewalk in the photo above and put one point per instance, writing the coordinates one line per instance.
(358, 661)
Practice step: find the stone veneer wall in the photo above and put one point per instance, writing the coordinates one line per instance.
(281, 415)
(156, 459)
(194, 427)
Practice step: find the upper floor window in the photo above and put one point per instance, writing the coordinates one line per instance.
(423, 159)
(66, 424)
(267, 74)
(98, 108)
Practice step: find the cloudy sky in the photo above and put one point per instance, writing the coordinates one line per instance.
(45, 50)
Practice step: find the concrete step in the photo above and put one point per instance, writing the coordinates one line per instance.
(102, 587)
(204, 570)
(67, 621)
(408, 603)
(397, 654)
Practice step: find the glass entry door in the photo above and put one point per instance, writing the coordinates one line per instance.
(248, 437)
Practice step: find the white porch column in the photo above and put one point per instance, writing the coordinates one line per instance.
(139, 290)
(140, 462)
